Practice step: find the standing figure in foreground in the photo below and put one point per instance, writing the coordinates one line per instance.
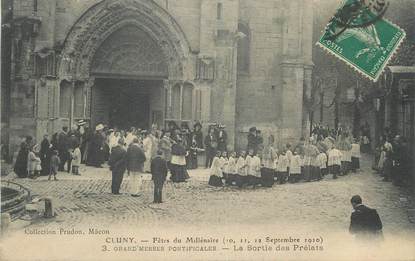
(365, 222)
(135, 162)
(118, 164)
(54, 165)
(159, 173)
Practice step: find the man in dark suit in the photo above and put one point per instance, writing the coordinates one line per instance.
(365, 222)
(159, 173)
(63, 148)
(135, 164)
(118, 165)
(211, 145)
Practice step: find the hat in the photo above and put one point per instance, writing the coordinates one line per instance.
(99, 127)
(197, 124)
(252, 129)
(81, 122)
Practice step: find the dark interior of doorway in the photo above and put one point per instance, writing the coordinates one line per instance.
(127, 102)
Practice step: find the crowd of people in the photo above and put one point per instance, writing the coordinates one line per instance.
(327, 151)
(392, 158)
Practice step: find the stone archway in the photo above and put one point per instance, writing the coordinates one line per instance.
(108, 16)
(84, 54)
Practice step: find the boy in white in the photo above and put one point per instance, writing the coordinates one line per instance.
(224, 164)
(282, 168)
(216, 174)
(334, 162)
(322, 165)
(355, 156)
(76, 160)
(254, 168)
(288, 152)
(241, 168)
(231, 169)
(295, 167)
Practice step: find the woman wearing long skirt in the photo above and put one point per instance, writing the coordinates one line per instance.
(45, 155)
(20, 166)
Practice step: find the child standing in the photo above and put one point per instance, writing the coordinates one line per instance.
(288, 152)
(54, 165)
(224, 166)
(33, 163)
(334, 162)
(295, 167)
(267, 170)
(216, 174)
(241, 167)
(254, 169)
(231, 170)
(355, 156)
(76, 160)
(282, 168)
(322, 165)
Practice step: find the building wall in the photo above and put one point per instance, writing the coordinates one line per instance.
(269, 94)
(280, 53)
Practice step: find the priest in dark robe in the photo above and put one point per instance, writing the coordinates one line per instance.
(178, 162)
(20, 166)
(96, 148)
(45, 154)
(118, 165)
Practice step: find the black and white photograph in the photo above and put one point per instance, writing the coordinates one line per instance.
(207, 130)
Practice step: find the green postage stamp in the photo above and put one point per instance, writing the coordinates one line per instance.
(358, 35)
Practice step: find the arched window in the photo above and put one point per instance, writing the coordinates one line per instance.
(244, 49)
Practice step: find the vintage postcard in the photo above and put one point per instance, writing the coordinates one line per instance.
(207, 130)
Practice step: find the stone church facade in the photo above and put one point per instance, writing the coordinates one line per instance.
(242, 63)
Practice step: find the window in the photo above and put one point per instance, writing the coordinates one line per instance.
(35, 6)
(219, 11)
(243, 58)
(205, 69)
(44, 64)
(65, 99)
(186, 103)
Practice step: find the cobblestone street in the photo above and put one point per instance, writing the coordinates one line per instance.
(307, 210)
(86, 198)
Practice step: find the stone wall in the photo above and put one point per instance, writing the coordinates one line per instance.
(269, 96)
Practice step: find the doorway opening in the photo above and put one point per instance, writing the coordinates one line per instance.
(126, 103)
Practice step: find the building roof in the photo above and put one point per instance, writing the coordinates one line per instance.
(402, 69)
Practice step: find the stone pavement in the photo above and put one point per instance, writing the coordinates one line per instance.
(323, 205)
